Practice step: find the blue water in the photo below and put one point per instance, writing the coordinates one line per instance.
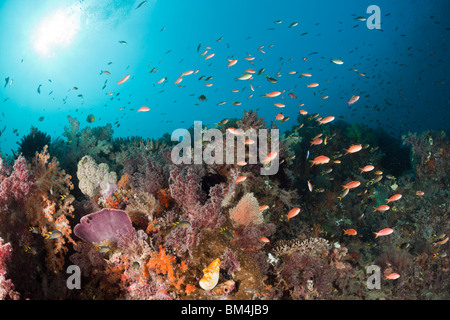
(406, 86)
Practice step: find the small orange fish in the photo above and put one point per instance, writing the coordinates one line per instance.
(306, 74)
(264, 239)
(209, 56)
(381, 208)
(124, 79)
(279, 105)
(273, 94)
(353, 149)
(367, 168)
(316, 142)
(383, 232)
(352, 185)
(310, 186)
(241, 179)
(303, 112)
(241, 163)
(312, 85)
(395, 197)
(187, 73)
(178, 80)
(319, 160)
(249, 141)
(263, 207)
(420, 193)
(144, 109)
(279, 117)
(326, 120)
(232, 62)
(292, 213)
(392, 276)
(352, 100)
(250, 71)
(270, 157)
(350, 232)
(443, 241)
(293, 96)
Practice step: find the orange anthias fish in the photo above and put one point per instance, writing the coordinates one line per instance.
(352, 184)
(320, 160)
(241, 179)
(313, 85)
(209, 56)
(271, 156)
(144, 109)
(326, 120)
(381, 208)
(353, 149)
(350, 232)
(210, 275)
(443, 241)
(395, 197)
(273, 94)
(367, 168)
(316, 142)
(383, 232)
(232, 62)
(352, 100)
(124, 79)
(392, 276)
(292, 213)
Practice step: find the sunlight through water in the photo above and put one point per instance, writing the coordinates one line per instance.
(57, 30)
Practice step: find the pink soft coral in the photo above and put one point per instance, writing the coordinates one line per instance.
(16, 188)
(6, 286)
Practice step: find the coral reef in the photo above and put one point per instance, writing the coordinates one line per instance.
(155, 232)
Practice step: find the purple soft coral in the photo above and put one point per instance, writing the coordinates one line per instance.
(104, 224)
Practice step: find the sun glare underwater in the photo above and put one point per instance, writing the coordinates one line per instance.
(224, 150)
